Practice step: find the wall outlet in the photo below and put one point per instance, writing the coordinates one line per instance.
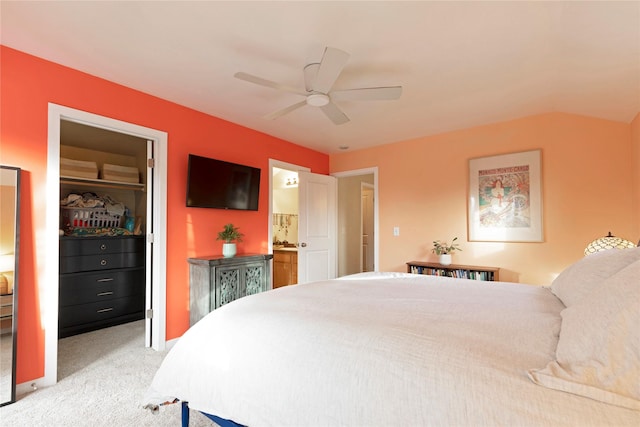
(396, 231)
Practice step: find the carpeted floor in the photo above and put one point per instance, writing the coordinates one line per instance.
(102, 378)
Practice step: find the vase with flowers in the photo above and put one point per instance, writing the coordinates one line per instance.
(444, 250)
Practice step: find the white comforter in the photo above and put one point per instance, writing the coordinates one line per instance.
(379, 350)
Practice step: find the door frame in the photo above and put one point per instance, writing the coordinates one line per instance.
(273, 163)
(49, 288)
(376, 211)
(363, 186)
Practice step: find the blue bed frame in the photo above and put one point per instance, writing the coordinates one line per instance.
(222, 422)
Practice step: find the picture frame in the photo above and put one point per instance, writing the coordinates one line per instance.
(505, 198)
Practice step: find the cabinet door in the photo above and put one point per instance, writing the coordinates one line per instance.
(228, 286)
(281, 274)
(255, 280)
(294, 269)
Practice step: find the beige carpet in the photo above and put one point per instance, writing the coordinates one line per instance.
(102, 378)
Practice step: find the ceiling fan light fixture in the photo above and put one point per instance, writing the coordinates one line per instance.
(317, 99)
(319, 78)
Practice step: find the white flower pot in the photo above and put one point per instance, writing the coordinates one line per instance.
(228, 250)
(445, 259)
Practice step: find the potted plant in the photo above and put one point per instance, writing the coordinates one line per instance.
(444, 250)
(229, 235)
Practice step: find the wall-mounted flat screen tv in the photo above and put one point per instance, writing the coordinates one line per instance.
(218, 184)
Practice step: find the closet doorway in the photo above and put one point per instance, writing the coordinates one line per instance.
(153, 144)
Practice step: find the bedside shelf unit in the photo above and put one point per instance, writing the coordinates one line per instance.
(454, 270)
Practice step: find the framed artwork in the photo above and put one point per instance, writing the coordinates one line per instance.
(505, 198)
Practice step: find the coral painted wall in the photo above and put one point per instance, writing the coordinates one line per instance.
(635, 158)
(29, 84)
(587, 191)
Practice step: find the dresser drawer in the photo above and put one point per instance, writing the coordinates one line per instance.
(81, 288)
(6, 300)
(73, 264)
(75, 246)
(75, 315)
(6, 311)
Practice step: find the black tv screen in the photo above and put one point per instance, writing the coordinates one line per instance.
(218, 184)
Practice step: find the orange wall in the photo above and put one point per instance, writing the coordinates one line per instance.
(29, 83)
(586, 185)
(635, 158)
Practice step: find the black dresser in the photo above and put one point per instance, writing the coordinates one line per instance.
(102, 282)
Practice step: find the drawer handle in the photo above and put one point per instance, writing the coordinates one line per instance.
(102, 294)
(103, 246)
(104, 310)
(103, 262)
(106, 279)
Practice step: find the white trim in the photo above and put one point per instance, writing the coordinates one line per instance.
(33, 385)
(376, 220)
(171, 343)
(48, 249)
(363, 186)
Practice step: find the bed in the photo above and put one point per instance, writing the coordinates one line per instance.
(398, 349)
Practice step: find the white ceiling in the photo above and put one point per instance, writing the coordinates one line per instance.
(461, 64)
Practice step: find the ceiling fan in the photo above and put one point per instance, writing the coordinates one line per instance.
(319, 79)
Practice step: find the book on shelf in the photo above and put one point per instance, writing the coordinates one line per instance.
(459, 272)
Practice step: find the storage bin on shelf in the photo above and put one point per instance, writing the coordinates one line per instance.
(88, 217)
(78, 168)
(120, 173)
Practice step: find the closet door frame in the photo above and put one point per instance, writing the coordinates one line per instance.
(155, 241)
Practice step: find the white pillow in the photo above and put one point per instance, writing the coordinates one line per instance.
(598, 353)
(582, 277)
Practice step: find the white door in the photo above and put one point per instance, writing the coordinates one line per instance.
(317, 227)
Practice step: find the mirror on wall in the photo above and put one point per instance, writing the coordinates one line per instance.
(9, 229)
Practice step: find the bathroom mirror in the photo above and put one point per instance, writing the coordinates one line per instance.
(9, 230)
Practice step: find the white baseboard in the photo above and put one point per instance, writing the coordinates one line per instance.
(171, 343)
(29, 386)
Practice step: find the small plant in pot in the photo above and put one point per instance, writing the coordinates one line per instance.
(444, 250)
(229, 235)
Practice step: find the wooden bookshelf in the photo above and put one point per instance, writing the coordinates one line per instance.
(454, 270)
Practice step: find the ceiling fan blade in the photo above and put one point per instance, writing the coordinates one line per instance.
(286, 110)
(334, 113)
(268, 83)
(368, 94)
(333, 61)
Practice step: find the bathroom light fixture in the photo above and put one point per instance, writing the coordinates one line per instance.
(292, 181)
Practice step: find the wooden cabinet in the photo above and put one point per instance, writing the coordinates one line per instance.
(285, 267)
(102, 282)
(215, 281)
(454, 270)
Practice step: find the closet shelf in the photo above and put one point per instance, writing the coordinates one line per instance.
(101, 183)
